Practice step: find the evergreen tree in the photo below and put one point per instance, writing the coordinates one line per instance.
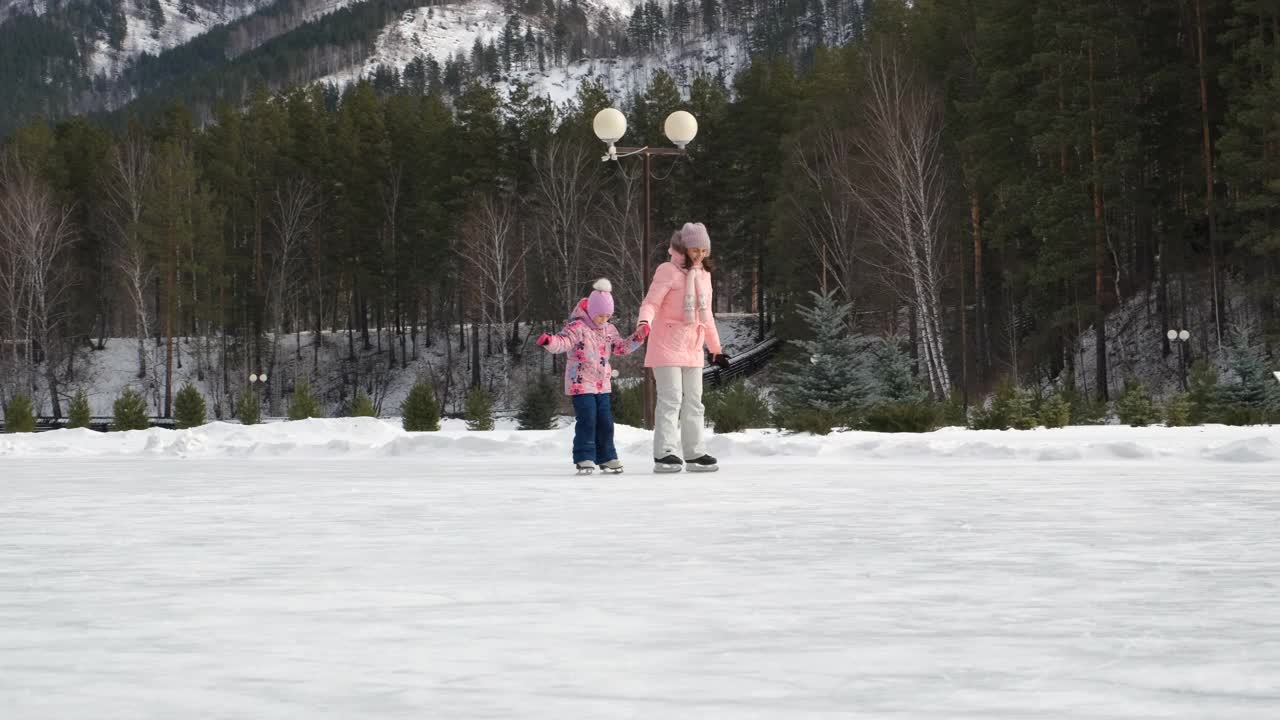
(362, 406)
(834, 372)
(895, 381)
(130, 412)
(1177, 412)
(304, 404)
(19, 417)
(479, 408)
(1204, 395)
(710, 17)
(1135, 406)
(538, 409)
(1253, 380)
(1055, 412)
(419, 411)
(79, 416)
(249, 407)
(189, 408)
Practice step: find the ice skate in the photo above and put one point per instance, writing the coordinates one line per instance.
(668, 464)
(705, 463)
(612, 467)
(585, 467)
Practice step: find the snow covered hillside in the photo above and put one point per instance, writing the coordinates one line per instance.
(103, 375)
(344, 569)
(453, 28)
(179, 23)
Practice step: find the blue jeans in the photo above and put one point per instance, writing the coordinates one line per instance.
(593, 433)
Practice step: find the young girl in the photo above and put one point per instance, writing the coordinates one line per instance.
(678, 306)
(590, 339)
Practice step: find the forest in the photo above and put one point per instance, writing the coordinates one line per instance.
(983, 182)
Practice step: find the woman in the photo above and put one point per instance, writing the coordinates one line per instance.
(677, 311)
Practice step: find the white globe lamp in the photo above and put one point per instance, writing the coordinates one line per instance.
(1184, 335)
(610, 125)
(681, 128)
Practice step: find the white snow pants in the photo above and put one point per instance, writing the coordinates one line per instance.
(679, 403)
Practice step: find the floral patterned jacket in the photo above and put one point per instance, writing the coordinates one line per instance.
(589, 348)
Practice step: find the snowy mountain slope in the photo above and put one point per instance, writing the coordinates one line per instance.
(185, 20)
(442, 31)
(10, 8)
(182, 22)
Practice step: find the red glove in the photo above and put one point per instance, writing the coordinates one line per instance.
(544, 339)
(642, 331)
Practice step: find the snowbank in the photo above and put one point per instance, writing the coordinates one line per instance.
(371, 438)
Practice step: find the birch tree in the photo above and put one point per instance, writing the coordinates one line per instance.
(902, 186)
(126, 187)
(294, 208)
(492, 252)
(35, 236)
(567, 181)
(828, 212)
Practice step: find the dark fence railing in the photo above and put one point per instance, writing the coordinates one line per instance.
(743, 364)
(101, 424)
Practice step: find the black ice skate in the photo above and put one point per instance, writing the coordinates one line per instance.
(705, 463)
(668, 464)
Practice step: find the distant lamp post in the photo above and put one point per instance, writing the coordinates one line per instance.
(680, 128)
(256, 381)
(1180, 337)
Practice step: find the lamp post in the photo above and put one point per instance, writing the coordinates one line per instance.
(680, 128)
(256, 380)
(1180, 337)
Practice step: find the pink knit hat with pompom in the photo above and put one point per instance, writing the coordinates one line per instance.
(600, 301)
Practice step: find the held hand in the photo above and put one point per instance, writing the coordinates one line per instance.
(721, 360)
(642, 331)
(544, 339)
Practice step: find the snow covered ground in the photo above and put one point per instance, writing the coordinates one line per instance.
(343, 568)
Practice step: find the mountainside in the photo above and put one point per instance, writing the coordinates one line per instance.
(60, 58)
(67, 57)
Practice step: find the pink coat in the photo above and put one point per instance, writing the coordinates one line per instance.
(675, 341)
(587, 371)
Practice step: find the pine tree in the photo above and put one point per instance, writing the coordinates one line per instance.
(130, 412)
(189, 408)
(362, 406)
(304, 404)
(80, 414)
(834, 373)
(479, 409)
(249, 407)
(19, 417)
(892, 371)
(1135, 406)
(1055, 412)
(419, 411)
(538, 409)
(1253, 381)
(1204, 394)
